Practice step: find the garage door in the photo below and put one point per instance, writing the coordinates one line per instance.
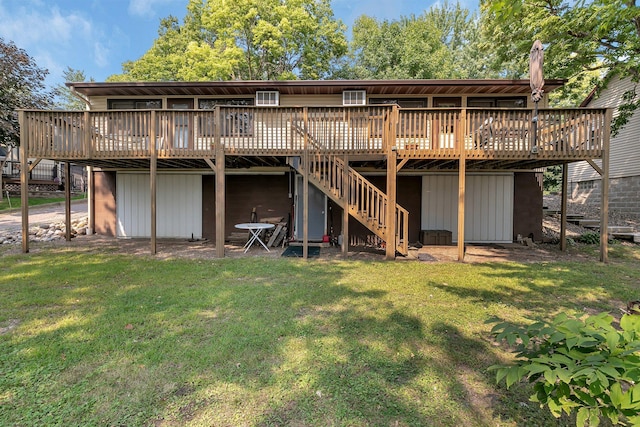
(178, 209)
(488, 206)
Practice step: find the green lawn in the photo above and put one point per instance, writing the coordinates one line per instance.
(103, 339)
(33, 201)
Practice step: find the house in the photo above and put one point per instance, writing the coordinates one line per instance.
(366, 160)
(624, 177)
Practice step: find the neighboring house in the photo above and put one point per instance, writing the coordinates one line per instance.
(624, 167)
(398, 157)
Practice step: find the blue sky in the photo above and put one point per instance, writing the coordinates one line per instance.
(97, 36)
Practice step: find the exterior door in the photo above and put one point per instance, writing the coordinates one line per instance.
(317, 211)
(181, 128)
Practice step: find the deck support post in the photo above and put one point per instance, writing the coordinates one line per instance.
(462, 176)
(390, 222)
(67, 201)
(604, 191)
(305, 197)
(220, 186)
(91, 212)
(24, 181)
(153, 169)
(345, 210)
(563, 208)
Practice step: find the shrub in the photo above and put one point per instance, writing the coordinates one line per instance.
(587, 366)
(590, 238)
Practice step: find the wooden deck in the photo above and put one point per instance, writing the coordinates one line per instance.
(322, 144)
(482, 135)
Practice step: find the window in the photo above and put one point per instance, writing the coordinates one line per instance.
(450, 102)
(210, 104)
(266, 98)
(354, 97)
(134, 104)
(402, 102)
(129, 124)
(490, 102)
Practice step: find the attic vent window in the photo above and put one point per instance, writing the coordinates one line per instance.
(267, 98)
(354, 97)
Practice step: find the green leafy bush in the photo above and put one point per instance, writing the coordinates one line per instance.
(587, 366)
(590, 238)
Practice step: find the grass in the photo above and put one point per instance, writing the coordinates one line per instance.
(107, 339)
(33, 201)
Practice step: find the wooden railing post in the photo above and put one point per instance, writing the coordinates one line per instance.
(88, 131)
(462, 132)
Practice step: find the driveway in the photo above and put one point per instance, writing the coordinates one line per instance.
(46, 214)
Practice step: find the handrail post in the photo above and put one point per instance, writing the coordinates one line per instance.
(463, 130)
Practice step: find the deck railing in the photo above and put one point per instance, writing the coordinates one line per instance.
(426, 133)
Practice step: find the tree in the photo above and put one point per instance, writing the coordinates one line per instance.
(581, 36)
(404, 49)
(244, 39)
(21, 86)
(444, 42)
(65, 99)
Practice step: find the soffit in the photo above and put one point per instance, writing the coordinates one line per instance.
(307, 87)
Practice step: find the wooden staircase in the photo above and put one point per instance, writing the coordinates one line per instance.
(351, 191)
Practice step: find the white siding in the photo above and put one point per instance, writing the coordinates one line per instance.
(98, 103)
(624, 153)
(488, 206)
(178, 210)
(310, 100)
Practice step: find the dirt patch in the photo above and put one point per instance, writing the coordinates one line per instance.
(182, 249)
(8, 326)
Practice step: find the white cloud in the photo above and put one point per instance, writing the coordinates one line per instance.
(145, 8)
(31, 23)
(100, 54)
(54, 37)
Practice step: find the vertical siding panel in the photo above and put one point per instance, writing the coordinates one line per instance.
(489, 206)
(179, 206)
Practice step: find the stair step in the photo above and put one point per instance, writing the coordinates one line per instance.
(634, 237)
(619, 229)
(589, 223)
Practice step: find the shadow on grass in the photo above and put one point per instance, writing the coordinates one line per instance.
(544, 289)
(114, 340)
